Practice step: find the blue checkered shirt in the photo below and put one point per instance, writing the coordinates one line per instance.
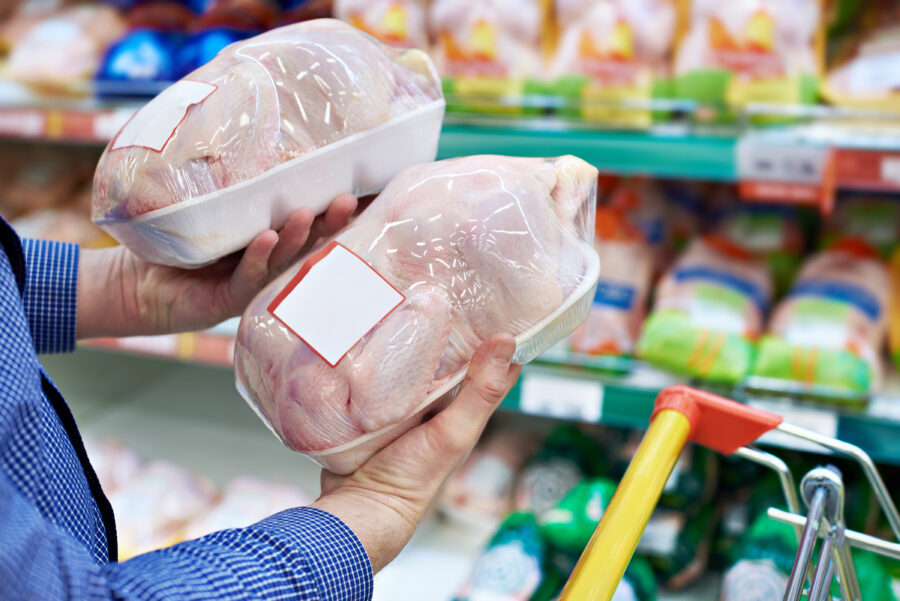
(57, 533)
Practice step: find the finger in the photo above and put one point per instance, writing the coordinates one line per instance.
(252, 271)
(491, 375)
(339, 212)
(291, 238)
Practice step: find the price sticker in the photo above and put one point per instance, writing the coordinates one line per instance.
(816, 419)
(890, 169)
(781, 161)
(566, 398)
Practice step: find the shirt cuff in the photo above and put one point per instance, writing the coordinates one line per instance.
(51, 281)
(335, 556)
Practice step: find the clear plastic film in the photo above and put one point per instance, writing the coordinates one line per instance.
(284, 120)
(476, 246)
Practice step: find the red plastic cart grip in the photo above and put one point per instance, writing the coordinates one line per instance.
(716, 422)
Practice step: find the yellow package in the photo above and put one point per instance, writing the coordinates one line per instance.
(488, 52)
(612, 57)
(750, 51)
(395, 22)
(863, 71)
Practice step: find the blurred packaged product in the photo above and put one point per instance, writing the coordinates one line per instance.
(395, 22)
(42, 177)
(708, 312)
(488, 51)
(831, 328)
(513, 566)
(64, 51)
(862, 61)
(677, 544)
(761, 562)
(341, 403)
(569, 524)
(771, 233)
(20, 16)
(610, 53)
(113, 462)
(295, 11)
(894, 309)
(875, 219)
(620, 303)
(567, 457)
(752, 51)
(479, 493)
(153, 507)
(244, 501)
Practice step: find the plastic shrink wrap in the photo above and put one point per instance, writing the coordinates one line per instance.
(708, 312)
(351, 347)
(831, 328)
(287, 119)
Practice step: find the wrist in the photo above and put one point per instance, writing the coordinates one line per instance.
(104, 296)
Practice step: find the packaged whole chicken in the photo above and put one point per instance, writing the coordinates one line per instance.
(765, 51)
(395, 22)
(611, 51)
(620, 303)
(708, 312)
(486, 49)
(288, 119)
(862, 71)
(64, 51)
(244, 501)
(830, 329)
(154, 506)
(356, 343)
(479, 493)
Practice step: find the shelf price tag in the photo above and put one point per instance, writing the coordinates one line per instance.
(561, 397)
(821, 420)
(773, 170)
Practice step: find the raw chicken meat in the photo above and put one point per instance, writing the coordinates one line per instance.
(493, 38)
(620, 303)
(709, 311)
(477, 245)
(394, 22)
(277, 96)
(66, 48)
(832, 326)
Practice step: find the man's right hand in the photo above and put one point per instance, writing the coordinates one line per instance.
(384, 500)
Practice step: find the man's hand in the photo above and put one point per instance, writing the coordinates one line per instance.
(384, 500)
(121, 295)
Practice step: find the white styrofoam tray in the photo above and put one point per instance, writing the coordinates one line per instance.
(201, 230)
(348, 457)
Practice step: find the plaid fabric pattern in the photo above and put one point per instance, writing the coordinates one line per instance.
(53, 535)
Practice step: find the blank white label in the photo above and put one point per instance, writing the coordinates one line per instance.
(337, 302)
(822, 421)
(566, 398)
(153, 125)
(890, 169)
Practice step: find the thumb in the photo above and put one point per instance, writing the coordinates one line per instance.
(491, 375)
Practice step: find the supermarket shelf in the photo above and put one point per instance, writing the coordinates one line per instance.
(608, 391)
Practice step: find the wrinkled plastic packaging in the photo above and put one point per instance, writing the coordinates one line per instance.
(708, 312)
(475, 246)
(287, 119)
(830, 329)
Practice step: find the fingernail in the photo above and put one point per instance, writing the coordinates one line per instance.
(503, 352)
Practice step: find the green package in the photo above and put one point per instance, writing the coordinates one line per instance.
(571, 522)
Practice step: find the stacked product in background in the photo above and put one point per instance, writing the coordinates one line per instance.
(342, 404)
(862, 58)
(487, 50)
(831, 328)
(620, 303)
(395, 22)
(609, 53)
(708, 312)
(762, 51)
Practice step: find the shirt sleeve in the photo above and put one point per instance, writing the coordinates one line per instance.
(51, 279)
(304, 554)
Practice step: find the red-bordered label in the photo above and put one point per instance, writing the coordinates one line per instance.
(385, 304)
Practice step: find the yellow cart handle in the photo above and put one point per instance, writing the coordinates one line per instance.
(681, 413)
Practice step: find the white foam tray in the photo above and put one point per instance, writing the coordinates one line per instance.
(346, 458)
(199, 231)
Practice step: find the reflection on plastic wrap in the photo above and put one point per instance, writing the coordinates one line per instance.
(256, 107)
(477, 245)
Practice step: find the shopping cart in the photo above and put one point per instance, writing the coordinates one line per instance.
(683, 413)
